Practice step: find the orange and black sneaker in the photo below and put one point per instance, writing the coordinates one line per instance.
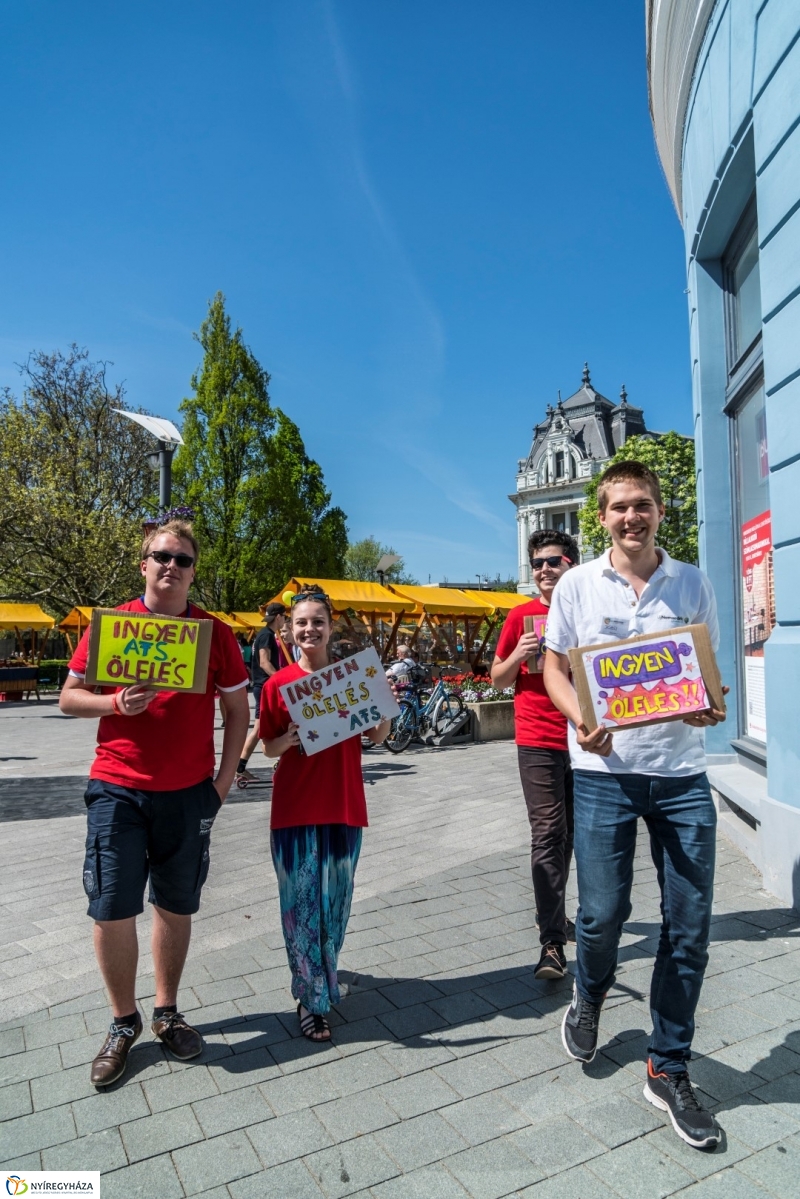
(674, 1094)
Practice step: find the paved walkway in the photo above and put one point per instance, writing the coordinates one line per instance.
(447, 1076)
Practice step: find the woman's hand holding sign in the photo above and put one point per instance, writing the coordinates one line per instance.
(288, 740)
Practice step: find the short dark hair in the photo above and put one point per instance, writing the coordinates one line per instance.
(273, 610)
(544, 537)
(629, 471)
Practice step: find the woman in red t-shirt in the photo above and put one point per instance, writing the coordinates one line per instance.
(318, 811)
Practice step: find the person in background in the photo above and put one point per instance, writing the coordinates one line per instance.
(656, 773)
(317, 816)
(152, 799)
(400, 670)
(267, 658)
(541, 737)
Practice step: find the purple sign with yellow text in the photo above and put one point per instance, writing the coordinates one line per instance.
(645, 681)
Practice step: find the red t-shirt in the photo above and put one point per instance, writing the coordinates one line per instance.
(323, 788)
(171, 744)
(537, 721)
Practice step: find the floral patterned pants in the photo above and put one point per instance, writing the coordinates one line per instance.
(315, 865)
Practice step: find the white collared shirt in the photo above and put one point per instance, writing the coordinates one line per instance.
(592, 602)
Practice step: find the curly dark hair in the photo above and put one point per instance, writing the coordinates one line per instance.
(544, 537)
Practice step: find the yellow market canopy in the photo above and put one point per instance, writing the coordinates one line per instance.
(25, 616)
(347, 593)
(501, 601)
(445, 601)
(238, 626)
(76, 620)
(248, 620)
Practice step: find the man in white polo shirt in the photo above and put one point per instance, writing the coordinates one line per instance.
(656, 773)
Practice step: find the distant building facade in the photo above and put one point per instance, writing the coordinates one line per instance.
(724, 86)
(575, 441)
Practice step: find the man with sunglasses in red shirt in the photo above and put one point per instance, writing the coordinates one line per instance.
(541, 736)
(152, 799)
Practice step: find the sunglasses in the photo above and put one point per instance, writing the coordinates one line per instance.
(319, 596)
(164, 559)
(553, 561)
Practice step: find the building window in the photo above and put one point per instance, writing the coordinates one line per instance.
(559, 464)
(574, 527)
(754, 526)
(743, 285)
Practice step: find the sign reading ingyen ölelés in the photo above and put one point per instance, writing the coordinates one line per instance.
(647, 679)
(340, 701)
(167, 652)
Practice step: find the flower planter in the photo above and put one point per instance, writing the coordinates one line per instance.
(493, 720)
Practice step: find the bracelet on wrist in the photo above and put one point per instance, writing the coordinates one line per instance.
(115, 708)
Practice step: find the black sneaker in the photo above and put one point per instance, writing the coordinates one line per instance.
(552, 963)
(579, 1028)
(674, 1093)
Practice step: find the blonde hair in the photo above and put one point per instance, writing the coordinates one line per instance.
(176, 528)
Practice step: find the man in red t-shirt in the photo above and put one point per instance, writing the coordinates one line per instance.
(152, 799)
(541, 736)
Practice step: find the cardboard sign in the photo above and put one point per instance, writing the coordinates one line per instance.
(167, 652)
(340, 701)
(536, 624)
(648, 679)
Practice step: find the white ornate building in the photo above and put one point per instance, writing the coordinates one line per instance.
(575, 441)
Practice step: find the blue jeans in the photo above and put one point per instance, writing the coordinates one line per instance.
(681, 819)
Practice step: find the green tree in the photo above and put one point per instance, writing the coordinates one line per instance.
(362, 558)
(671, 457)
(262, 509)
(75, 486)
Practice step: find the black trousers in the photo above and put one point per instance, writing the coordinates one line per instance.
(546, 777)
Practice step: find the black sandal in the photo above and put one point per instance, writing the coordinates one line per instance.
(311, 1024)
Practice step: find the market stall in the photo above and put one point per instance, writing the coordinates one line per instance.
(443, 609)
(74, 625)
(19, 675)
(364, 612)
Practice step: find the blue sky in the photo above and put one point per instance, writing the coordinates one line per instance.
(424, 217)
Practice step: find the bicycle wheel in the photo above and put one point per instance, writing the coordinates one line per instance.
(448, 709)
(403, 728)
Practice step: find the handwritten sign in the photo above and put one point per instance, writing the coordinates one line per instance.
(167, 652)
(340, 701)
(537, 625)
(648, 679)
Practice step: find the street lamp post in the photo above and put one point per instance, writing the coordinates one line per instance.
(385, 564)
(168, 438)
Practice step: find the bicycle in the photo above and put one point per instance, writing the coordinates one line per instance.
(423, 715)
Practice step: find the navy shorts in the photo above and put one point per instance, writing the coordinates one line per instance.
(135, 835)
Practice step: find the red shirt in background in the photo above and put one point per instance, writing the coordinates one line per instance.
(537, 721)
(171, 744)
(323, 788)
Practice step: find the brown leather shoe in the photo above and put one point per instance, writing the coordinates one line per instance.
(181, 1039)
(110, 1063)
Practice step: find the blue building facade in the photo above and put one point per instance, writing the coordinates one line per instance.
(724, 84)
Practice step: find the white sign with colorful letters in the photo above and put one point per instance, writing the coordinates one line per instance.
(340, 701)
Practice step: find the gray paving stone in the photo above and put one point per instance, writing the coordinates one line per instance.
(638, 1171)
(176, 1090)
(29, 1161)
(700, 1165)
(11, 1041)
(476, 1075)
(15, 1101)
(757, 1124)
(416, 1094)
(729, 1184)
(420, 1141)
(109, 1107)
(617, 1120)
(777, 1168)
(414, 1055)
(355, 1115)
(431, 1182)
(61, 1087)
(153, 1135)
(529, 1056)
(31, 1134)
(412, 1021)
(146, 1179)
(484, 1117)
(557, 1144)
(52, 1032)
(543, 1096)
(292, 1180)
(244, 1070)
(492, 1170)
(236, 1109)
(99, 1151)
(287, 1137)
(577, 1183)
(215, 1162)
(21, 1066)
(351, 1167)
